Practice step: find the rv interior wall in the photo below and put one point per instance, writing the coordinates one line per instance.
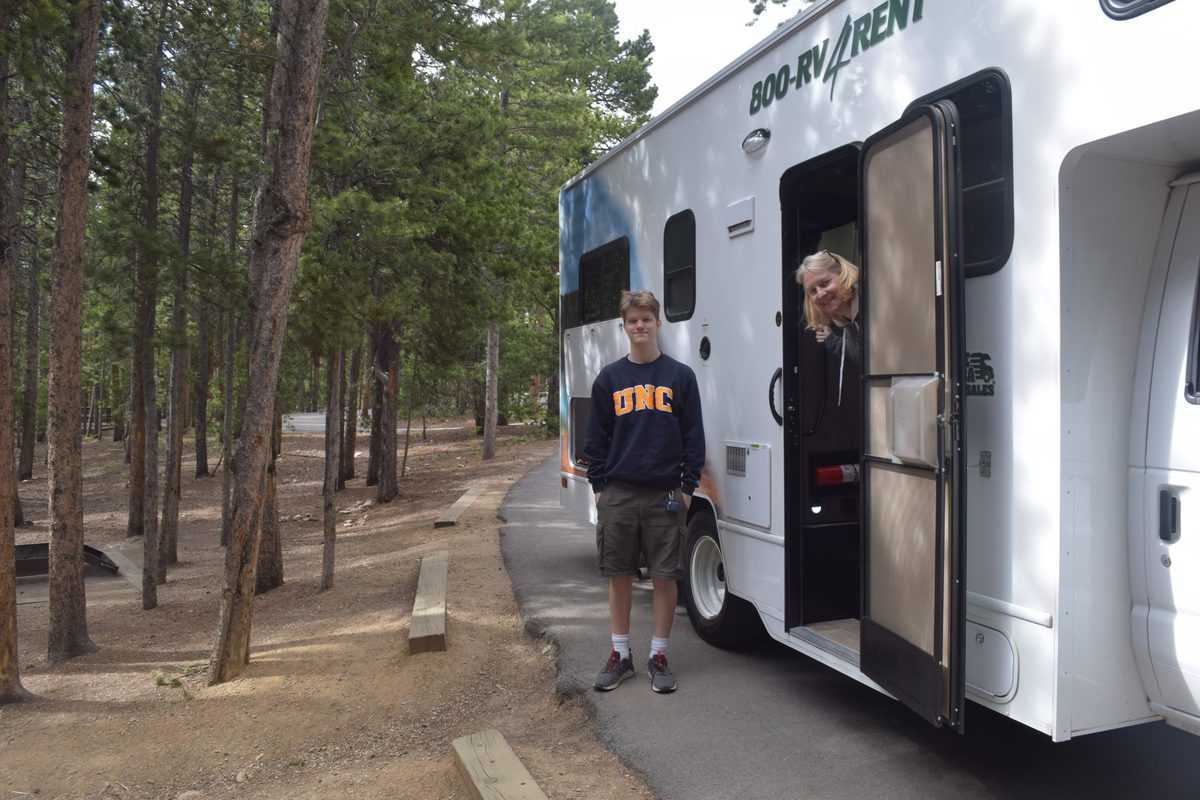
(819, 204)
(1114, 194)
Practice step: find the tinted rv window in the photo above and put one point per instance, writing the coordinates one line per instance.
(985, 118)
(581, 415)
(679, 266)
(603, 274)
(1126, 9)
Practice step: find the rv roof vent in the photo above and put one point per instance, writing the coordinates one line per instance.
(735, 461)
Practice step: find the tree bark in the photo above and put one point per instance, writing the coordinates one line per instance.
(333, 446)
(412, 390)
(270, 551)
(490, 405)
(203, 366)
(339, 422)
(350, 426)
(152, 567)
(11, 688)
(30, 395)
(227, 376)
(173, 469)
(281, 219)
(386, 368)
(68, 635)
(376, 393)
(135, 440)
(117, 402)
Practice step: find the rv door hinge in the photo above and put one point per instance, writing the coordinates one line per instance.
(937, 277)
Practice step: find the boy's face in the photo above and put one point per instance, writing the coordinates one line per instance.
(641, 326)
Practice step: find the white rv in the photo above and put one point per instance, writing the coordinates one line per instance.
(1018, 180)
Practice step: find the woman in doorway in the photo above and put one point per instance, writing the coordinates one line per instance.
(830, 286)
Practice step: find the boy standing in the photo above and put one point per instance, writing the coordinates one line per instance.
(645, 450)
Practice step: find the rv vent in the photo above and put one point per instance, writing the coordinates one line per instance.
(735, 461)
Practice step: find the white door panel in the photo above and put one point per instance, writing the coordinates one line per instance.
(1173, 438)
(1170, 487)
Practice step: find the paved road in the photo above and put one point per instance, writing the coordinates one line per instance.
(774, 724)
(314, 422)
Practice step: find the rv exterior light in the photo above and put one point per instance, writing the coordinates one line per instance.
(756, 140)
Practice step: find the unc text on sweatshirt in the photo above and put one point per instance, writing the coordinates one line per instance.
(645, 426)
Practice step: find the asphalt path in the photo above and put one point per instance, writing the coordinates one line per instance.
(774, 724)
(314, 422)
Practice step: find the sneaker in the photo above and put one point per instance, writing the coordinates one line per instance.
(616, 670)
(661, 679)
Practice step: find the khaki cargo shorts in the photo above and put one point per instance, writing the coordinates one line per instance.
(634, 522)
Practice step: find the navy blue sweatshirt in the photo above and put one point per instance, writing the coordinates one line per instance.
(645, 426)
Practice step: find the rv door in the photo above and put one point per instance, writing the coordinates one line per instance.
(912, 300)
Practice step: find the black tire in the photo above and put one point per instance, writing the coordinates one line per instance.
(730, 623)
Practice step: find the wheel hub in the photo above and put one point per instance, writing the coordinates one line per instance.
(707, 577)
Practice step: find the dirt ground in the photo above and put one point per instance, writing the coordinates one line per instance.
(332, 704)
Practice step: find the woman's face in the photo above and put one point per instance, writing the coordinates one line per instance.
(826, 293)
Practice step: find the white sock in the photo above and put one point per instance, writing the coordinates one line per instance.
(657, 646)
(621, 644)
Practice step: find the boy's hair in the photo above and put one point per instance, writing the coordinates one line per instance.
(645, 301)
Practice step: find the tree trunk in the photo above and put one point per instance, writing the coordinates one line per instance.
(333, 446)
(10, 666)
(281, 219)
(97, 417)
(135, 441)
(339, 421)
(68, 635)
(116, 401)
(173, 469)
(30, 395)
(350, 427)
(231, 337)
(552, 422)
(387, 369)
(203, 366)
(376, 393)
(152, 567)
(269, 574)
(412, 390)
(490, 405)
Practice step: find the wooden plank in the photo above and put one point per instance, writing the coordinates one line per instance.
(427, 633)
(450, 515)
(491, 770)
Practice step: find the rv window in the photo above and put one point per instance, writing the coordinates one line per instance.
(1127, 9)
(679, 266)
(603, 274)
(984, 104)
(581, 415)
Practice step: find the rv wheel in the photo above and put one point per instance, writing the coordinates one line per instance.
(720, 618)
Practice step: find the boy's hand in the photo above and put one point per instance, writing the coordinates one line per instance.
(822, 333)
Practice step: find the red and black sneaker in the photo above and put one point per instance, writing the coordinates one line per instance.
(615, 670)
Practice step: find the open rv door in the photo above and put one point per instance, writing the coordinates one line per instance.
(913, 471)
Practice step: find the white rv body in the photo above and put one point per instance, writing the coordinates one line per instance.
(1080, 616)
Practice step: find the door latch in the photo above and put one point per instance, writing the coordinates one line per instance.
(1168, 516)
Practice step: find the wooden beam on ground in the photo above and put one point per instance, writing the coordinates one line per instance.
(450, 515)
(427, 632)
(491, 770)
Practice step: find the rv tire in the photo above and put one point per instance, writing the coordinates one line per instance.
(720, 618)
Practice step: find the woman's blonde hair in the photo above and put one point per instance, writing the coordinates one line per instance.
(825, 261)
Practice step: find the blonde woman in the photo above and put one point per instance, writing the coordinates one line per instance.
(830, 286)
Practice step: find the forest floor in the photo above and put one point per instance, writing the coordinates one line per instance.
(332, 704)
